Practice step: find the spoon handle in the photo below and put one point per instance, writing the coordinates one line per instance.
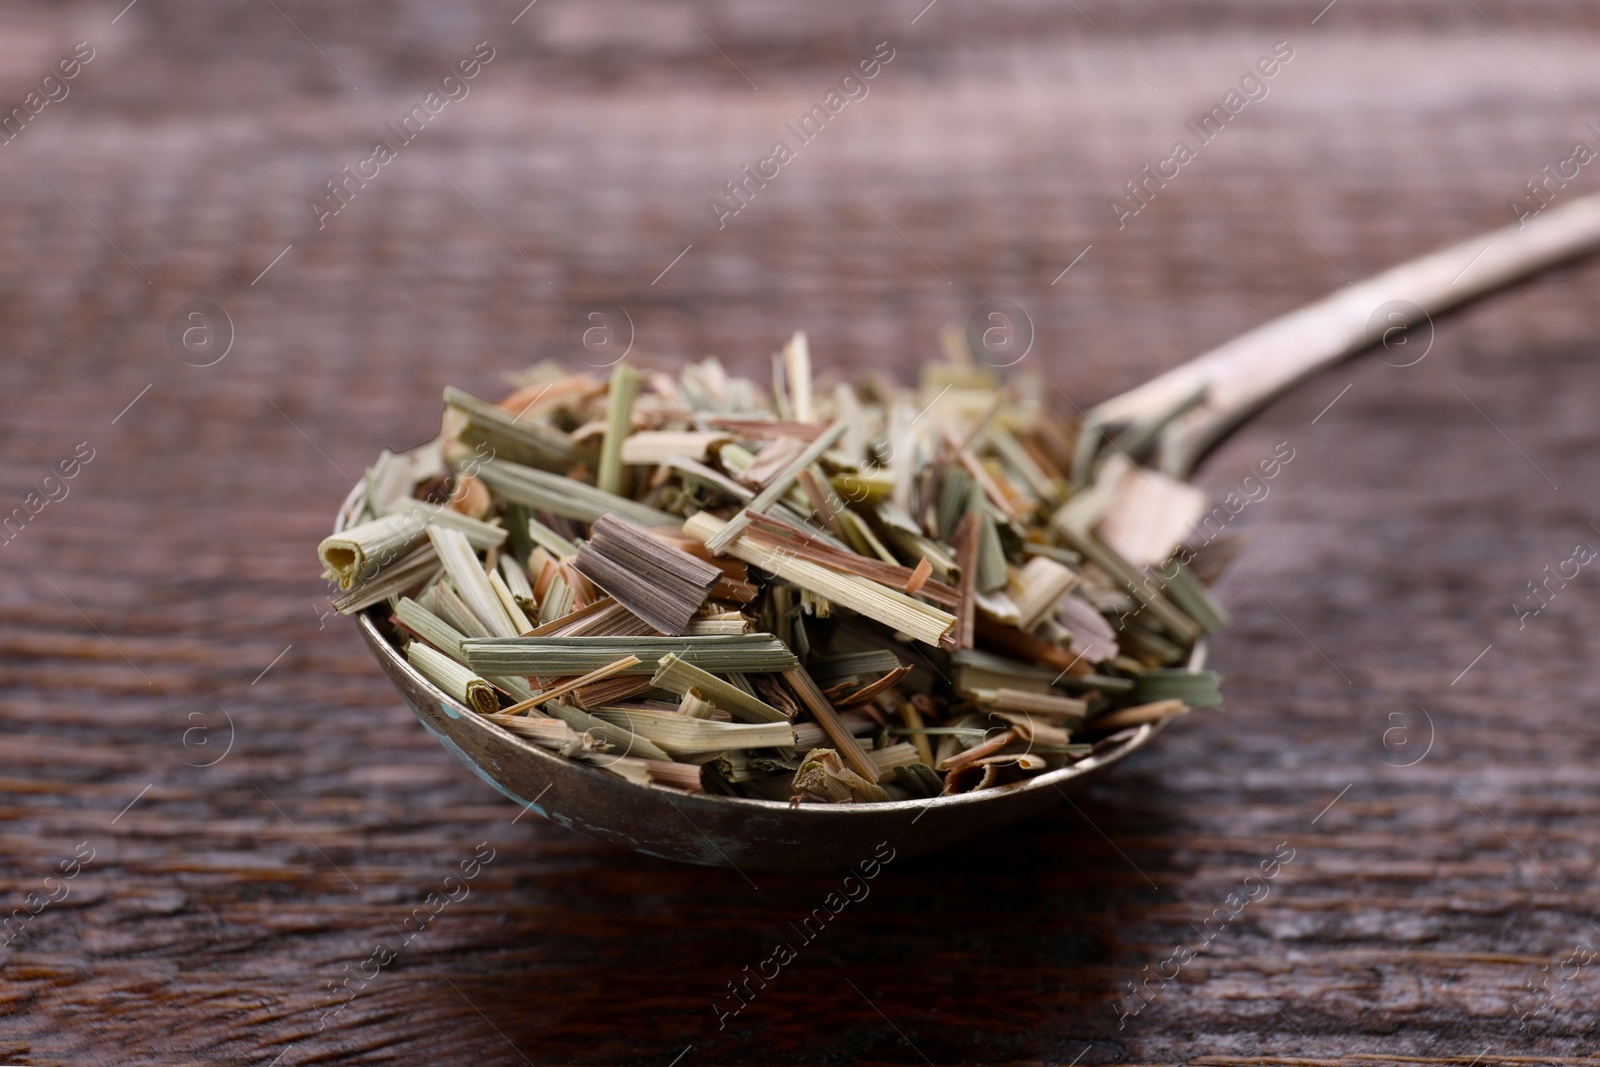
(1243, 374)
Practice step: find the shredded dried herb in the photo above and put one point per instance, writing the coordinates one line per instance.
(814, 592)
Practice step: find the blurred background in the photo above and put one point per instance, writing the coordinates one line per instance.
(260, 808)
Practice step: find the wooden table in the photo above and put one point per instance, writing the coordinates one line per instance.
(263, 813)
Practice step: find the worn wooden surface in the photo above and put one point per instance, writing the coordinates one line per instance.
(174, 590)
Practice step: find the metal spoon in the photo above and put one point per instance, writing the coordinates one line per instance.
(1237, 378)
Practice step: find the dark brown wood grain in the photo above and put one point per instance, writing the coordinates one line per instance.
(174, 589)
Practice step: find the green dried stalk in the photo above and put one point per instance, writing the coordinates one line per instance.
(471, 584)
(1199, 689)
(619, 415)
(349, 555)
(558, 656)
(683, 735)
(479, 534)
(718, 542)
(563, 496)
(677, 675)
(530, 442)
(444, 672)
(888, 606)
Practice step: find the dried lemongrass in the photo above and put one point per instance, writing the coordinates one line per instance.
(893, 757)
(663, 446)
(681, 734)
(824, 776)
(554, 656)
(1148, 516)
(479, 534)
(432, 629)
(797, 376)
(701, 581)
(695, 706)
(625, 741)
(1044, 704)
(542, 731)
(444, 672)
(557, 691)
(516, 580)
(716, 627)
(1196, 688)
(843, 740)
(471, 584)
(685, 776)
(361, 551)
(991, 772)
(549, 540)
(1038, 587)
(677, 675)
(412, 572)
(1137, 715)
(563, 496)
(508, 604)
(888, 606)
(776, 488)
(388, 481)
(661, 584)
(619, 416)
(454, 610)
(507, 435)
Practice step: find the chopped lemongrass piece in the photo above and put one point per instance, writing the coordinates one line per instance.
(360, 552)
(797, 375)
(444, 672)
(549, 540)
(659, 583)
(715, 627)
(560, 656)
(888, 606)
(1038, 587)
(697, 707)
(619, 416)
(664, 446)
(455, 611)
(677, 675)
(471, 584)
(627, 742)
(681, 775)
(892, 758)
(823, 775)
(387, 482)
(508, 602)
(682, 735)
(411, 572)
(831, 723)
(516, 579)
(775, 489)
(480, 534)
(1198, 689)
(507, 435)
(559, 691)
(432, 629)
(563, 496)
(1031, 703)
(1137, 715)
(542, 731)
